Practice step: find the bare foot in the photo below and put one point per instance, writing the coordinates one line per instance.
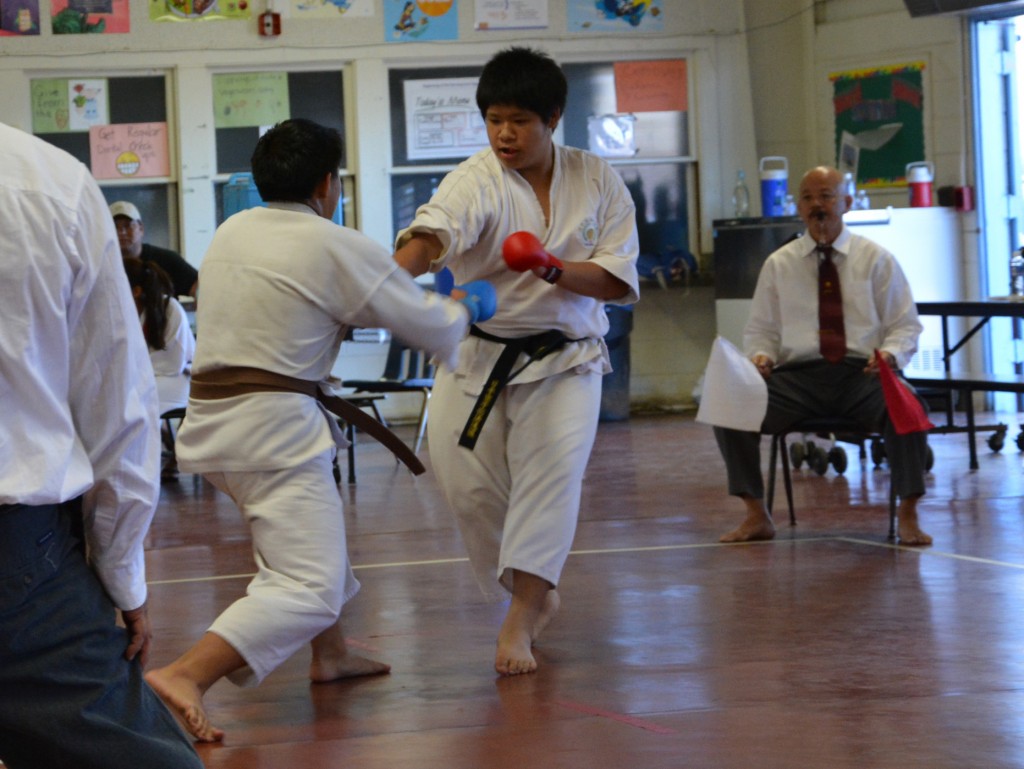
(752, 529)
(322, 671)
(514, 656)
(552, 602)
(184, 699)
(909, 531)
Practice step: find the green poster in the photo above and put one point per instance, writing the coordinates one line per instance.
(881, 111)
(50, 106)
(248, 99)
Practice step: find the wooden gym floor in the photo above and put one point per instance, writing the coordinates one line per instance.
(827, 647)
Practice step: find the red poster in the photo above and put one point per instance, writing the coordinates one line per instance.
(651, 86)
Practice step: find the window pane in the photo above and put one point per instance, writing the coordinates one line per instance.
(409, 192)
(592, 92)
(662, 220)
(396, 90)
(130, 100)
(317, 96)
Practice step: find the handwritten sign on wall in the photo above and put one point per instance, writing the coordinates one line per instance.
(248, 99)
(50, 112)
(129, 151)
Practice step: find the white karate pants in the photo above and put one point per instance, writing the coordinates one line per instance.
(304, 576)
(516, 495)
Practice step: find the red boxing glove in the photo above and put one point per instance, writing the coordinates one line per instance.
(523, 251)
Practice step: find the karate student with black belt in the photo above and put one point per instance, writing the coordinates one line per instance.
(512, 425)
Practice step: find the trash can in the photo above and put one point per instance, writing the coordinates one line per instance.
(615, 385)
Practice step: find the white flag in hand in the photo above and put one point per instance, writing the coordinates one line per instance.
(735, 394)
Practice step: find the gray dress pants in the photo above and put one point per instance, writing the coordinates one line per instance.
(815, 390)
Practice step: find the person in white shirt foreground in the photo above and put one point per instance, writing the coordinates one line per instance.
(281, 286)
(783, 339)
(516, 492)
(78, 451)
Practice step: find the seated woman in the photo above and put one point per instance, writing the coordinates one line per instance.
(168, 335)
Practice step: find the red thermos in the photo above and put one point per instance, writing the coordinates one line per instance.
(919, 179)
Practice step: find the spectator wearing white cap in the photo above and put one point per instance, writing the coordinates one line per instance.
(130, 231)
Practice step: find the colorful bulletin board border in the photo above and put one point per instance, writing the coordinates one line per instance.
(870, 105)
(19, 17)
(73, 17)
(198, 10)
(330, 9)
(129, 151)
(407, 21)
(601, 16)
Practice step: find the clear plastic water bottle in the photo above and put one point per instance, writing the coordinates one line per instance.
(849, 185)
(789, 207)
(1017, 273)
(741, 196)
(860, 201)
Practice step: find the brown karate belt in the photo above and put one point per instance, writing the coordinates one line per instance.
(242, 380)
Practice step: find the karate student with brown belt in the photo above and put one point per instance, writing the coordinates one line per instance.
(281, 286)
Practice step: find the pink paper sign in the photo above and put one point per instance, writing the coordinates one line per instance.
(651, 86)
(129, 151)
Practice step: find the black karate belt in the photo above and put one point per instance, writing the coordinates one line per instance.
(535, 347)
(239, 380)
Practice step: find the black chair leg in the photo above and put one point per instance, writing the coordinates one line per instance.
(892, 510)
(787, 479)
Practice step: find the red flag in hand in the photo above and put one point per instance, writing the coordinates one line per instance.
(905, 411)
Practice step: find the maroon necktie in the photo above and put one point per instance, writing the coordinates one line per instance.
(830, 308)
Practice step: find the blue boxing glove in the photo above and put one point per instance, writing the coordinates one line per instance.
(444, 281)
(480, 299)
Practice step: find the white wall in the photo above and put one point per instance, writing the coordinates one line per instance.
(756, 93)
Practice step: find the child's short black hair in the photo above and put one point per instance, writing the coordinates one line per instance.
(293, 157)
(524, 78)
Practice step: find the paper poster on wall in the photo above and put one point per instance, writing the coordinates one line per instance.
(406, 21)
(50, 106)
(331, 9)
(87, 104)
(198, 10)
(511, 14)
(651, 86)
(19, 17)
(442, 119)
(615, 15)
(129, 151)
(74, 17)
(245, 99)
(879, 114)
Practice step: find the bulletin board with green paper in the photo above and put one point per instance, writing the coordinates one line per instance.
(886, 102)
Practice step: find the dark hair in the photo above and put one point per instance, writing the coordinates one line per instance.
(156, 287)
(525, 78)
(293, 157)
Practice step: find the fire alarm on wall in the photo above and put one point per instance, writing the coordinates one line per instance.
(270, 24)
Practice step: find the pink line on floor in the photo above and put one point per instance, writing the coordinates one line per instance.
(628, 720)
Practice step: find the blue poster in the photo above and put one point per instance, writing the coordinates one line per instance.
(408, 21)
(615, 16)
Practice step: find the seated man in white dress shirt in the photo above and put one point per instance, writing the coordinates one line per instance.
(815, 371)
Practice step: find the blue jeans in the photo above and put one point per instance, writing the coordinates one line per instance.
(67, 695)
